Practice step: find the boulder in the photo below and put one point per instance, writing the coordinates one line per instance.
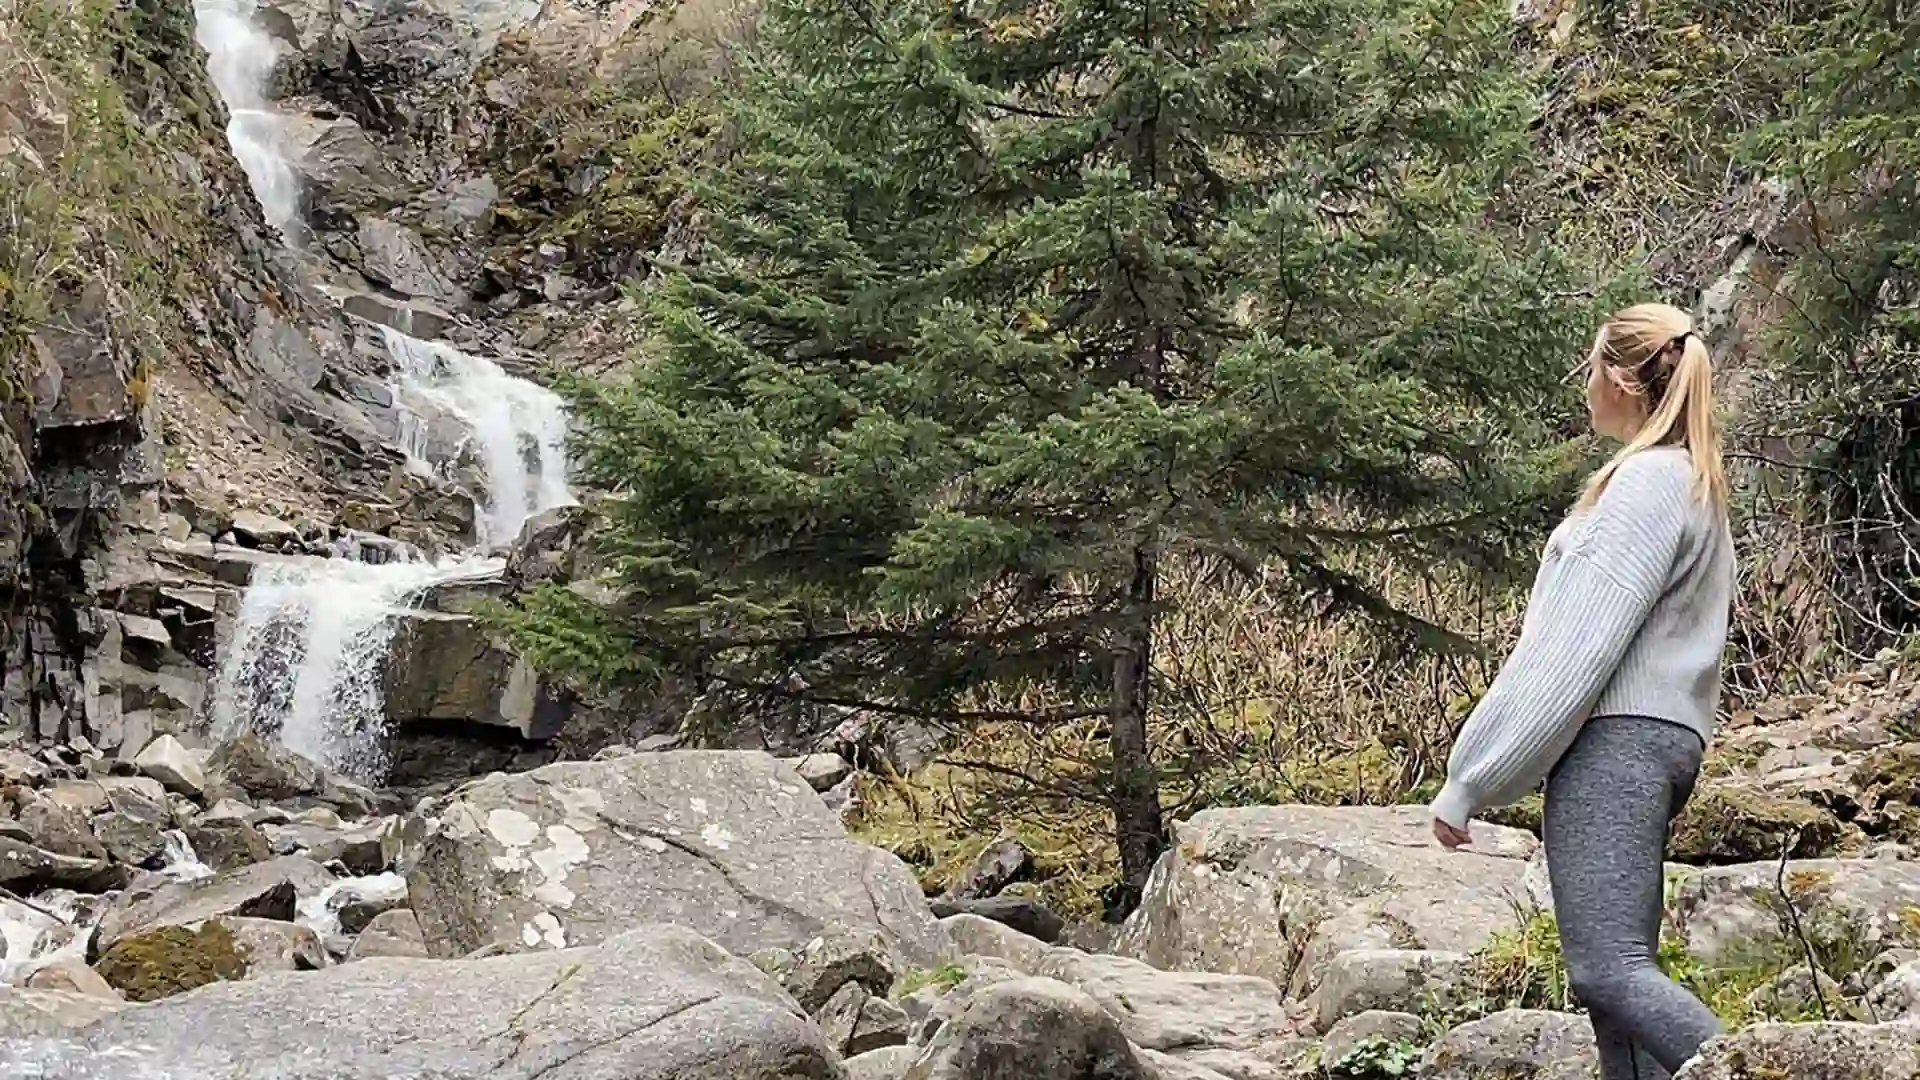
(1518, 1044)
(856, 1021)
(998, 865)
(1733, 915)
(268, 890)
(448, 668)
(26, 1013)
(822, 771)
(730, 843)
(27, 869)
(168, 960)
(176, 767)
(390, 933)
(656, 1003)
(891, 1063)
(368, 848)
(1277, 891)
(264, 531)
(1026, 1028)
(393, 255)
(1399, 980)
(1828, 1051)
(821, 967)
(72, 977)
(251, 763)
(1285, 1059)
(53, 827)
(1174, 1010)
(1027, 916)
(1372, 1031)
(130, 839)
(227, 843)
(972, 935)
(1897, 995)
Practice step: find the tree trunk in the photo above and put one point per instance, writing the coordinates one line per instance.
(1136, 786)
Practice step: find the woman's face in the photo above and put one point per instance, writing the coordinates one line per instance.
(1616, 413)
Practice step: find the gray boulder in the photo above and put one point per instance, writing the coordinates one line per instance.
(129, 839)
(1736, 914)
(175, 766)
(444, 667)
(1027, 1028)
(27, 869)
(1896, 996)
(998, 865)
(56, 828)
(1373, 1028)
(390, 933)
(657, 1003)
(268, 890)
(890, 1063)
(1399, 980)
(25, 1013)
(227, 843)
(253, 764)
(1835, 1051)
(730, 843)
(1027, 916)
(822, 771)
(972, 935)
(1277, 891)
(1174, 1010)
(1518, 1044)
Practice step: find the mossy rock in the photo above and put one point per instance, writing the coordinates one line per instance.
(172, 960)
(1727, 824)
(1526, 814)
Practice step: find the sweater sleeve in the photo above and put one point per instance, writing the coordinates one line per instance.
(1585, 613)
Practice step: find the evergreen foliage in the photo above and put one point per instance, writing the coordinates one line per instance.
(1006, 303)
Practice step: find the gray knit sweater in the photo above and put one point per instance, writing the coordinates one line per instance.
(1628, 617)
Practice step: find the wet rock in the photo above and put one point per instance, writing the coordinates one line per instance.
(1373, 1029)
(1169, 1010)
(263, 769)
(176, 767)
(1518, 1044)
(1400, 980)
(393, 255)
(27, 869)
(822, 771)
(52, 827)
(265, 532)
(227, 843)
(390, 933)
(657, 1003)
(72, 977)
(972, 935)
(368, 848)
(269, 945)
(129, 839)
(1278, 891)
(342, 167)
(998, 865)
(552, 547)
(448, 668)
(1833, 1051)
(1026, 1028)
(732, 844)
(891, 1063)
(29, 1013)
(169, 960)
(268, 890)
(1736, 914)
(1029, 917)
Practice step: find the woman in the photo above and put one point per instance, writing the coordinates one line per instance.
(1611, 692)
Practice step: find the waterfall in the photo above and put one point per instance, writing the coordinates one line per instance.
(309, 650)
(241, 59)
(519, 429)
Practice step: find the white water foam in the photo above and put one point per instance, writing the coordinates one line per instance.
(518, 428)
(53, 928)
(241, 59)
(321, 911)
(309, 650)
(179, 862)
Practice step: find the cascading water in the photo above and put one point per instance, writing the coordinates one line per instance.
(241, 59)
(308, 652)
(518, 428)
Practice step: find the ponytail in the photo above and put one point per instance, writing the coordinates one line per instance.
(1650, 350)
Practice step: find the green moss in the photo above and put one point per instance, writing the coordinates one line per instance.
(172, 960)
(1728, 824)
(946, 975)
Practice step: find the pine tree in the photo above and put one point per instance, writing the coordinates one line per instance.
(1005, 303)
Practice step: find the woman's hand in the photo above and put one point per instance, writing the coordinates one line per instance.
(1450, 837)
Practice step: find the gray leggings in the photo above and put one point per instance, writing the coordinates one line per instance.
(1610, 801)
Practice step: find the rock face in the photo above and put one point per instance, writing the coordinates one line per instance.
(445, 667)
(734, 845)
(1811, 1052)
(1027, 1028)
(1278, 891)
(658, 1003)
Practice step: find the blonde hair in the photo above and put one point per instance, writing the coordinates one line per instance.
(1651, 351)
